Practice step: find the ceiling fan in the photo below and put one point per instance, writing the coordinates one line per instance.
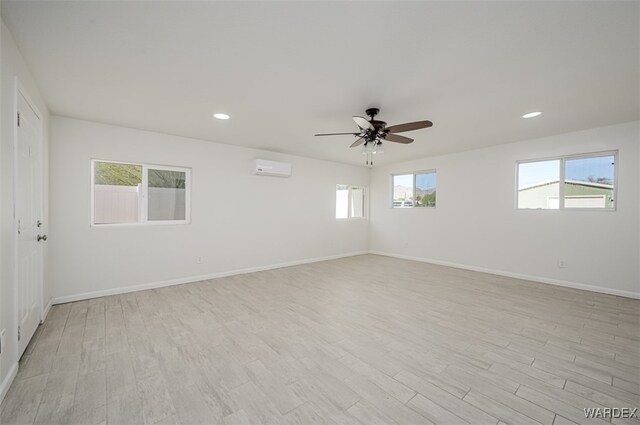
(373, 132)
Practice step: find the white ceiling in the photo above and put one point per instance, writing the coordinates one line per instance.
(285, 71)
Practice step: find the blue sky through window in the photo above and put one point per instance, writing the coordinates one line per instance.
(423, 181)
(596, 168)
(426, 181)
(582, 169)
(530, 173)
(403, 180)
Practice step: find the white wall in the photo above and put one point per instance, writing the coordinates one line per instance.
(13, 65)
(242, 221)
(476, 224)
(238, 220)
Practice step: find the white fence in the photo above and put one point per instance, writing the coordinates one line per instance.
(116, 204)
(166, 203)
(123, 204)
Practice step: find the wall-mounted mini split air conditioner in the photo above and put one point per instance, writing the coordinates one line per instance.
(262, 167)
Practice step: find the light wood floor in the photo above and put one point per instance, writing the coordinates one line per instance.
(363, 340)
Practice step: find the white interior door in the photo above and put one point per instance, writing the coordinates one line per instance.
(28, 213)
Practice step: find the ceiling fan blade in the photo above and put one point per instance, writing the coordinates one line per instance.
(399, 128)
(397, 139)
(336, 134)
(357, 142)
(363, 123)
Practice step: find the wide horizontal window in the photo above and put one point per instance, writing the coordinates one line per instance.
(414, 190)
(349, 201)
(577, 181)
(125, 193)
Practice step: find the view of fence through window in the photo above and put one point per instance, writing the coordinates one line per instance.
(166, 195)
(136, 193)
(117, 194)
(588, 183)
(414, 190)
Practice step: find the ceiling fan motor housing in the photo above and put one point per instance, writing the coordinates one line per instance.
(378, 129)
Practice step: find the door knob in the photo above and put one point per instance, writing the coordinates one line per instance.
(42, 238)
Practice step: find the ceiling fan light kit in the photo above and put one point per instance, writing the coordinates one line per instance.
(373, 132)
(372, 148)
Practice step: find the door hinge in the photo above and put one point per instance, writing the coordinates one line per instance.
(18, 333)
(18, 119)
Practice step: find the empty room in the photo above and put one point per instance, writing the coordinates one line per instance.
(319, 212)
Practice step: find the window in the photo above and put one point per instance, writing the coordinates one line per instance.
(414, 190)
(349, 201)
(538, 185)
(126, 193)
(577, 181)
(167, 195)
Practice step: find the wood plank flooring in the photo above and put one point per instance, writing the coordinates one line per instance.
(360, 340)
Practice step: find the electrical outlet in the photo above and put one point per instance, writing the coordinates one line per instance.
(1, 341)
(562, 264)
(198, 260)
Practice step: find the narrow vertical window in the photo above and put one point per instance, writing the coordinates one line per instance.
(342, 201)
(356, 202)
(349, 201)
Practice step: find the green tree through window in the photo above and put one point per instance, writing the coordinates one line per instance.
(114, 174)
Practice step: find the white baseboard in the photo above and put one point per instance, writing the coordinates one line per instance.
(557, 282)
(6, 383)
(45, 312)
(191, 279)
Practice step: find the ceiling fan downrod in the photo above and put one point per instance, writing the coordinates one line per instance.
(372, 112)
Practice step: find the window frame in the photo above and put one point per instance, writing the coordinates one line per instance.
(414, 174)
(144, 193)
(364, 202)
(563, 160)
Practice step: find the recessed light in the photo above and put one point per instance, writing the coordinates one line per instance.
(531, 114)
(221, 116)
